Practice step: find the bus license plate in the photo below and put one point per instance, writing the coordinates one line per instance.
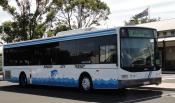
(146, 83)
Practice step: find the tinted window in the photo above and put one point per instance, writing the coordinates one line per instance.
(108, 54)
(81, 51)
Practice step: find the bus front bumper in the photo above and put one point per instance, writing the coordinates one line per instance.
(138, 82)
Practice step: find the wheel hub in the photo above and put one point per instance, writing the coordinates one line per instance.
(86, 84)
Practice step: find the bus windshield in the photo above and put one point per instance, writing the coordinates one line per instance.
(137, 49)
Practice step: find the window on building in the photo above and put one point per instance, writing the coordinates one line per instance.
(172, 33)
(158, 34)
(164, 34)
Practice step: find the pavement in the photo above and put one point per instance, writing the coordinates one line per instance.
(168, 83)
(163, 93)
(164, 86)
(12, 93)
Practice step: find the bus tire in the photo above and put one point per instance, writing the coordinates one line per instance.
(85, 83)
(23, 80)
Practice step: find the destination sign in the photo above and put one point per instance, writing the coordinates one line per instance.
(137, 32)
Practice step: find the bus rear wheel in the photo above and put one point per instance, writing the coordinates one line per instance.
(22, 80)
(86, 84)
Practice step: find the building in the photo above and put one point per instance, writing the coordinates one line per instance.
(166, 38)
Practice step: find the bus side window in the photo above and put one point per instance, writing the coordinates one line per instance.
(108, 54)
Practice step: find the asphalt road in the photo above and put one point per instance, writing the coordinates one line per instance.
(12, 93)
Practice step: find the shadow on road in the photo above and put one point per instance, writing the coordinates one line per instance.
(101, 96)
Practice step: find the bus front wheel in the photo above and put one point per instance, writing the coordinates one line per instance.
(86, 83)
(22, 80)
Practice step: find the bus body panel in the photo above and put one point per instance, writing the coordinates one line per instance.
(102, 76)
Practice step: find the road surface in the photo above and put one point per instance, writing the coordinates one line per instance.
(12, 93)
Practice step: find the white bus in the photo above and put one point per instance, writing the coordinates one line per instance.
(113, 58)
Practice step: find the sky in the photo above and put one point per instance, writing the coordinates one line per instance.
(123, 10)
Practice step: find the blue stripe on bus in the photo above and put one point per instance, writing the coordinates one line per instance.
(66, 82)
(56, 39)
(70, 82)
(14, 80)
(105, 84)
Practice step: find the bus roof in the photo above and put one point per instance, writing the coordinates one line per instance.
(64, 37)
(68, 35)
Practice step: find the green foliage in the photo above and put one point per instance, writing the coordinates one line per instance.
(59, 27)
(134, 20)
(50, 33)
(8, 29)
(27, 23)
(50, 16)
(81, 13)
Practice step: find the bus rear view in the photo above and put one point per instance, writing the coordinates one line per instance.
(139, 58)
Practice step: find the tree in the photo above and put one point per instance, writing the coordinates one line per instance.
(33, 18)
(134, 20)
(28, 22)
(80, 13)
(8, 28)
(54, 31)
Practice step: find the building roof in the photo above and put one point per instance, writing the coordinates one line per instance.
(163, 25)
